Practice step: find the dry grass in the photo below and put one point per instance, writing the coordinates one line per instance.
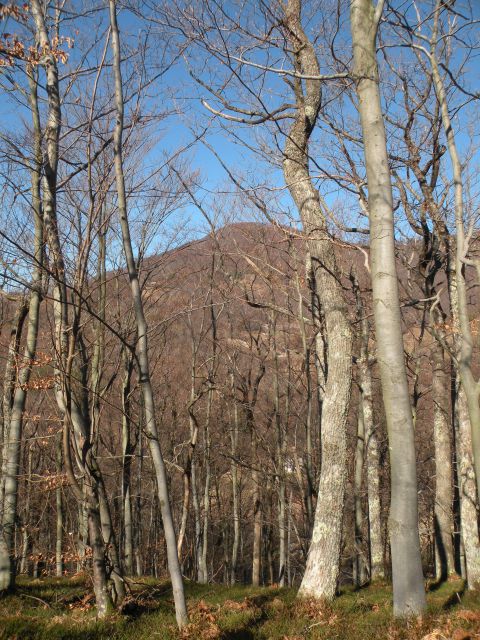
(61, 609)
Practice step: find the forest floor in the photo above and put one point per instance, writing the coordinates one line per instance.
(61, 609)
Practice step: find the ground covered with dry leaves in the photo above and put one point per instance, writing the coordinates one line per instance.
(61, 609)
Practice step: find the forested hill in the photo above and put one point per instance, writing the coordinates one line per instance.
(234, 352)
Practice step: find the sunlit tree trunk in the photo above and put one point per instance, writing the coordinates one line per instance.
(323, 562)
(281, 448)
(463, 451)
(408, 584)
(468, 493)
(202, 564)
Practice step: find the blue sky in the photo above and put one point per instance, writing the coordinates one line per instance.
(176, 91)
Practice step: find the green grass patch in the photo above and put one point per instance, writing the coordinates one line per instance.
(63, 609)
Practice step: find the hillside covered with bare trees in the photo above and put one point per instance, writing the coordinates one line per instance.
(239, 319)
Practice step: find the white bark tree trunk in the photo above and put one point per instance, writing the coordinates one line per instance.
(468, 494)
(323, 561)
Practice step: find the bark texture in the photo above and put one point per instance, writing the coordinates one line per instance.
(408, 584)
(322, 569)
(468, 494)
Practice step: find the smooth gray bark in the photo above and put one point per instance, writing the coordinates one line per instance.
(408, 583)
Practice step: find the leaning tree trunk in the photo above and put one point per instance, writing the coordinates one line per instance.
(408, 585)
(464, 339)
(142, 339)
(323, 561)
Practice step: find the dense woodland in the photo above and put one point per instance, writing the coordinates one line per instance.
(239, 295)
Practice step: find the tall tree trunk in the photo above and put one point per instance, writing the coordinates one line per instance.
(202, 564)
(443, 525)
(463, 449)
(280, 454)
(66, 337)
(323, 562)
(111, 543)
(26, 519)
(235, 492)
(127, 453)
(12, 430)
(9, 382)
(59, 506)
(372, 454)
(464, 340)
(408, 584)
(100, 583)
(468, 493)
(360, 567)
(142, 339)
(82, 532)
(309, 484)
(257, 508)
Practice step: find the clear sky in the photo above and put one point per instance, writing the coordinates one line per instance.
(176, 92)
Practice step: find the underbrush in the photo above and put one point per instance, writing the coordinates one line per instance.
(63, 609)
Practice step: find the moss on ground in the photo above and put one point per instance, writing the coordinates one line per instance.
(63, 609)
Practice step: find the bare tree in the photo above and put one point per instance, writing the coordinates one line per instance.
(408, 586)
(142, 337)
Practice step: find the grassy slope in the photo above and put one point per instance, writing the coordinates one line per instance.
(62, 609)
